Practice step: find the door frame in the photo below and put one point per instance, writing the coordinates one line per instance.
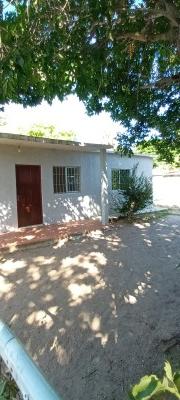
(40, 184)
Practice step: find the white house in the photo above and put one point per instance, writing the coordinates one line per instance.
(45, 181)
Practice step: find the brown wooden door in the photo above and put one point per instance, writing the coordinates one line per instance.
(29, 201)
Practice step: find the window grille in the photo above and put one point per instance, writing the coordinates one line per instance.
(66, 179)
(119, 178)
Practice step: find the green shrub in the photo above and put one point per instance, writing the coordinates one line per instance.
(136, 194)
(151, 387)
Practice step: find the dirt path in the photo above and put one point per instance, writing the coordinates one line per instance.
(98, 312)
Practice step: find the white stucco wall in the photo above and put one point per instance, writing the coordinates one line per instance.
(115, 161)
(144, 163)
(56, 207)
(59, 207)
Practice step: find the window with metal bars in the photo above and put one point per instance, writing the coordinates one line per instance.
(66, 179)
(118, 178)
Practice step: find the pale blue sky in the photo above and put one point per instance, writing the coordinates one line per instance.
(67, 115)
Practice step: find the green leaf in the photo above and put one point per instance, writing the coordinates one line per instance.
(8, 389)
(20, 61)
(168, 382)
(148, 386)
(168, 371)
(151, 385)
(2, 386)
(177, 380)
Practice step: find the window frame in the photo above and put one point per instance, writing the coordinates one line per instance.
(65, 167)
(119, 177)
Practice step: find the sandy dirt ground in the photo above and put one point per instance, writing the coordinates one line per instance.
(98, 312)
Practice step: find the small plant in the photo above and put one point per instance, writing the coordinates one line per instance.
(136, 194)
(151, 387)
(8, 389)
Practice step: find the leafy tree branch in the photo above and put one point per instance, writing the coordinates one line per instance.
(118, 56)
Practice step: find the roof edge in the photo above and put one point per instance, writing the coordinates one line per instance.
(132, 155)
(44, 140)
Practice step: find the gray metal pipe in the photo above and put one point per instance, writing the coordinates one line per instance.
(29, 379)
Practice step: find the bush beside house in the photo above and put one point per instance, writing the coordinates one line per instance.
(136, 194)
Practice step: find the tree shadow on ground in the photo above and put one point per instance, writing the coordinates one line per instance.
(97, 312)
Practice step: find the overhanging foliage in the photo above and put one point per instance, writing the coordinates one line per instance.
(118, 56)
